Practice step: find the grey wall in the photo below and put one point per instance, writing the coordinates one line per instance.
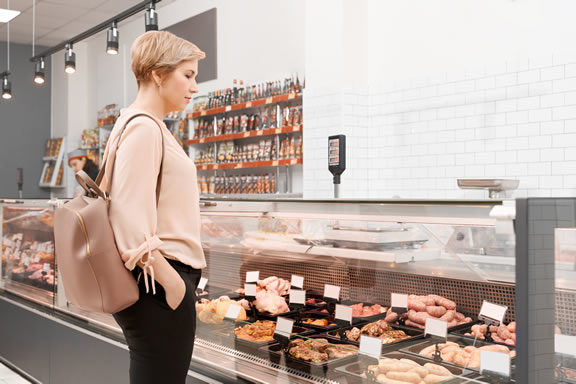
(24, 124)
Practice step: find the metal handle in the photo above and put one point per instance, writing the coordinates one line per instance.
(205, 204)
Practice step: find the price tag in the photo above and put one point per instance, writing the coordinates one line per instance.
(203, 113)
(277, 131)
(399, 302)
(248, 104)
(250, 290)
(228, 108)
(239, 165)
(233, 312)
(252, 276)
(343, 313)
(492, 313)
(293, 161)
(284, 327)
(202, 140)
(370, 346)
(275, 163)
(436, 328)
(202, 283)
(291, 96)
(297, 296)
(246, 134)
(332, 291)
(259, 133)
(46, 267)
(495, 363)
(297, 281)
(26, 261)
(268, 100)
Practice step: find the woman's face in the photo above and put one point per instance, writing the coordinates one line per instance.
(77, 164)
(179, 86)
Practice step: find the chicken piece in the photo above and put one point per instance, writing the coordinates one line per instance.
(271, 303)
(353, 334)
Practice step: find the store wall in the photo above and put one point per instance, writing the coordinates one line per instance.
(456, 90)
(24, 124)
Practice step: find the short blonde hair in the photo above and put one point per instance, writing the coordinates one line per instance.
(162, 52)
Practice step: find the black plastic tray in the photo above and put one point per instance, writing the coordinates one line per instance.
(451, 329)
(359, 368)
(276, 355)
(414, 334)
(317, 315)
(463, 341)
(356, 320)
(228, 332)
(461, 332)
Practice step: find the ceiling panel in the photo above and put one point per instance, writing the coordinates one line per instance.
(86, 4)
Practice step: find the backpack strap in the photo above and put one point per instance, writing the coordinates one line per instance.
(112, 157)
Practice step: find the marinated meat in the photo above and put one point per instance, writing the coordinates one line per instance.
(319, 350)
(359, 310)
(379, 329)
(319, 322)
(258, 331)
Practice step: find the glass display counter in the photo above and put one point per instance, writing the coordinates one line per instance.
(296, 290)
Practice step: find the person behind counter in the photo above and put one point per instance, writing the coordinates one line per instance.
(154, 211)
(78, 160)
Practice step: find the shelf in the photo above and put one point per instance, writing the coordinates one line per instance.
(249, 164)
(248, 104)
(44, 185)
(49, 158)
(244, 135)
(251, 196)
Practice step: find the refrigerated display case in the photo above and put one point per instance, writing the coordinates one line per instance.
(463, 252)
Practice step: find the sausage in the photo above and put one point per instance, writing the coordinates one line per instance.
(391, 317)
(512, 327)
(448, 316)
(459, 316)
(415, 325)
(437, 369)
(428, 351)
(416, 305)
(503, 332)
(418, 317)
(408, 377)
(433, 379)
(497, 338)
(493, 329)
(509, 342)
(436, 310)
(446, 303)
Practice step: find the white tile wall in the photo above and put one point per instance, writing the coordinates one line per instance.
(414, 139)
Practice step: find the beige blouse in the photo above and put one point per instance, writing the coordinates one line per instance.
(139, 227)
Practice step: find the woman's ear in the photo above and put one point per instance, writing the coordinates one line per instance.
(156, 78)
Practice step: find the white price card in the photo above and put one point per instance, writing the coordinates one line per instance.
(332, 291)
(250, 290)
(297, 296)
(284, 326)
(252, 276)
(233, 312)
(436, 327)
(370, 346)
(26, 261)
(398, 300)
(495, 362)
(202, 283)
(492, 312)
(343, 313)
(46, 267)
(297, 281)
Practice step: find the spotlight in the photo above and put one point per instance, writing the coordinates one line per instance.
(69, 59)
(39, 76)
(112, 39)
(6, 87)
(151, 18)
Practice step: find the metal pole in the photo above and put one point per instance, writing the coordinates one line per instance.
(336, 191)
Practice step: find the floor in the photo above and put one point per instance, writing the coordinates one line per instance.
(8, 376)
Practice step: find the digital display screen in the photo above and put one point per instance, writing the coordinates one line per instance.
(334, 152)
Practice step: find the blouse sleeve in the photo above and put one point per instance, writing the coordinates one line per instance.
(132, 212)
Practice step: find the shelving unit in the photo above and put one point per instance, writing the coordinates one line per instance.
(53, 165)
(96, 153)
(249, 164)
(246, 105)
(245, 135)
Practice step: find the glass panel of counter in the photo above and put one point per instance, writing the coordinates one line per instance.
(28, 266)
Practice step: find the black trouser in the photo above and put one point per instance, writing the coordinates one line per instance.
(161, 339)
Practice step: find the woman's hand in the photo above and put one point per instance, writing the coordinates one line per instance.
(169, 279)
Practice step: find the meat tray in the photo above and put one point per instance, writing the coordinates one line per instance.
(414, 334)
(318, 315)
(275, 354)
(356, 320)
(357, 370)
(451, 329)
(228, 333)
(462, 329)
(462, 341)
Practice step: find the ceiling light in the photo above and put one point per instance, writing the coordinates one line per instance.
(6, 87)
(6, 15)
(151, 18)
(112, 39)
(39, 72)
(69, 59)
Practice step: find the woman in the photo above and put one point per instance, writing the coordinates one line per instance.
(78, 160)
(157, 232)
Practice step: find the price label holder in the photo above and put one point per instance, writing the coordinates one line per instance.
(495, 366)
(492, 314)
(370, 346)
(250, 291)
(232, 313)
(202, 284)
(331, 296)
(283, 332)
(438, 331)
(399, 303)
(297, 302)
(45, 268)
(297, 282)
(252, 277)
(343, 319)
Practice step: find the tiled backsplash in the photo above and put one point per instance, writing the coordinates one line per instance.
(415, 141)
